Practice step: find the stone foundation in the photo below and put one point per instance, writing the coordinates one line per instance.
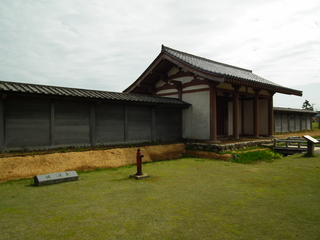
(226, 147)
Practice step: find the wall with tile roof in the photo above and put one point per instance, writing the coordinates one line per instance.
(40, 122)
(292, 120)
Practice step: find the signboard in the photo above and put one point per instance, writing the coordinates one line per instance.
(311, 139)
(52, 178)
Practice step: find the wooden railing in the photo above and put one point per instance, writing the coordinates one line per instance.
(294, 145)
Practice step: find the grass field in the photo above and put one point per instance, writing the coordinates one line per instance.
(188, 198)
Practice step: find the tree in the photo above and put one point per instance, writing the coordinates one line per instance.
(307, 106)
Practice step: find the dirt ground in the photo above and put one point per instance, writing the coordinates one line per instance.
(28, 166)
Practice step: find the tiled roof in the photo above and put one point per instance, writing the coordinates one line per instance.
(224, 70)
(84, 93)
(282, 109)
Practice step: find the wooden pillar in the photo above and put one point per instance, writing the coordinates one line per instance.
(270, 115)
(236, 112)
(225, 114)
(242, 114)
(256, 120)
(180, 88)
(213, 112)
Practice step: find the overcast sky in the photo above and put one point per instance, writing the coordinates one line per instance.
(106, 45)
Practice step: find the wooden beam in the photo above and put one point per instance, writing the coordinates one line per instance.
(180, 75)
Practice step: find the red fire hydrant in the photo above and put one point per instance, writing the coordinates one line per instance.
(139, 162)
(139, 173)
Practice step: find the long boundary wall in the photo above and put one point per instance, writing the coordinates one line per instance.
(42, 123)
(292, 121)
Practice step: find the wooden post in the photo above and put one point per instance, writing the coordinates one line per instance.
(270, 115)
(213, 112)
(256, 114)
(139, 173)
(310, 142)
(236, 111)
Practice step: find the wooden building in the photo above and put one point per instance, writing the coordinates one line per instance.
(225, 100)
(178, 96)
(41, 117)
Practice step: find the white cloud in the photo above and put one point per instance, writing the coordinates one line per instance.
(108, 44)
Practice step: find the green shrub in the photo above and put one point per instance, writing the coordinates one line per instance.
(255, 156)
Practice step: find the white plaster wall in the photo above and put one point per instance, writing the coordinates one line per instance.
(248, 117)
(172, 96)
(263, 116)
(183, 79)
(172, 71)
(160, 83)
(196, 119)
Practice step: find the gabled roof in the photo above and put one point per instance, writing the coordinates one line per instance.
(26, 88)
(202, 67)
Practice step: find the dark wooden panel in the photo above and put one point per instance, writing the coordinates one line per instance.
(167, 123)
(27, 122)
(297, 123)
(277, 124)
(139, 123)
(285, 122)
(303, 122)
(72, 123)
(291, 122)
(110, 123)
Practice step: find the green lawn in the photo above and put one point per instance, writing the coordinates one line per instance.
(187, 198)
